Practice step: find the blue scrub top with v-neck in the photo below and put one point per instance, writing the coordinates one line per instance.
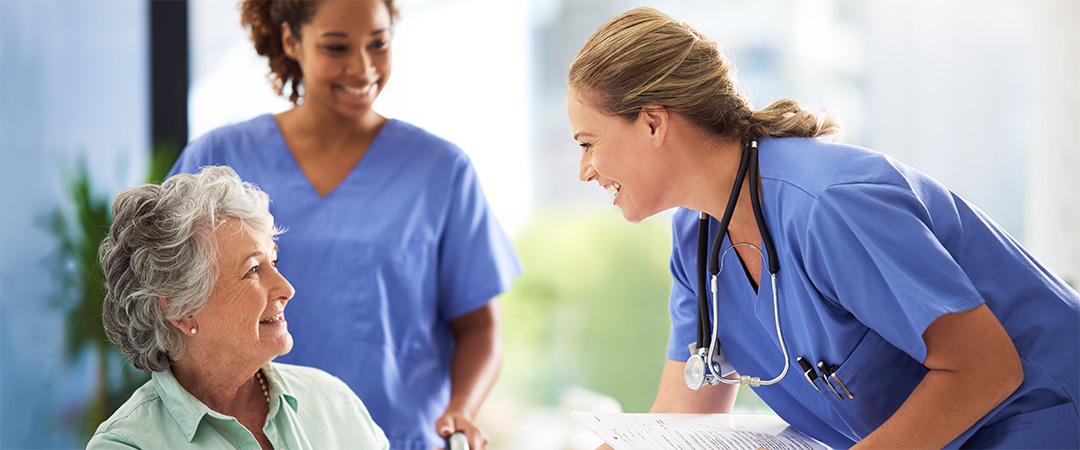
(381, 264)
(871, 252)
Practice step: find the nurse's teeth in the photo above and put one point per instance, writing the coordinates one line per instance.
(358, 91)
(613, 188)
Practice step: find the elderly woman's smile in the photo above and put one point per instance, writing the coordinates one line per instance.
(274, 319)
(245, 317)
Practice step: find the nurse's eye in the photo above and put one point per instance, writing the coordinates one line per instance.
(380, 44)
(335, 48)
(585, 147)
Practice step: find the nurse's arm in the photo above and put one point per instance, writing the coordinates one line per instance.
(674, 397)
(474, 366)
(973, 368)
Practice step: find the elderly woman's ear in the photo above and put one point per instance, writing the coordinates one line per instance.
(186, 325)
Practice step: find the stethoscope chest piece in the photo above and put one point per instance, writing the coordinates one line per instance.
(702, 368)
(695, 372)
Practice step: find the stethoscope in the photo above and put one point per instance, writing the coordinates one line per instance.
(697, 372)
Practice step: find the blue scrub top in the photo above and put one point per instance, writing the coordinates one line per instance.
(871, 252)
(402, 246)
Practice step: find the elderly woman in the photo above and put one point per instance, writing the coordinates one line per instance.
(194, 297)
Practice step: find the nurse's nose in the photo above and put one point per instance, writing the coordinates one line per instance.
(362, 64)
(586, 172)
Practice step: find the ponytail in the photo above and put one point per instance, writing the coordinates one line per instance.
(263, 20)
(789, 118)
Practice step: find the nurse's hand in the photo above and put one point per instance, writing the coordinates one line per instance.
(452, 421)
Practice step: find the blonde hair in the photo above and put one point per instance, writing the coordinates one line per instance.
(643, 57)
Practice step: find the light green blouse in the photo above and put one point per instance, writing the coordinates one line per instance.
(309, 409)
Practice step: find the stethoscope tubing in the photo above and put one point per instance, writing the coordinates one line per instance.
(729, 210)
(703, 302)
(759, 215)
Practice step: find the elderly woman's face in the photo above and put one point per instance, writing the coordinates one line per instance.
(245, 317)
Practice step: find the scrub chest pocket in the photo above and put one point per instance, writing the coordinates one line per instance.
(393, 309)
(880, 377)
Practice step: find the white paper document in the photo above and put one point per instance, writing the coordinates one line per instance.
(695, 431)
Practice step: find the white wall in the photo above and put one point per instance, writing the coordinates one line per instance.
(1053, 194)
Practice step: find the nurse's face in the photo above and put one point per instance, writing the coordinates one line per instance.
(620, 157)
(244, 320)
(344, 53)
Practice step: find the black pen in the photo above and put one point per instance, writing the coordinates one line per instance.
(825, 376)
(808, 371)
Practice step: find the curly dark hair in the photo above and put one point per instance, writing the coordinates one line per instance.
(263, 19)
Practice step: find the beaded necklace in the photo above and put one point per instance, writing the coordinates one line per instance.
(262, 382)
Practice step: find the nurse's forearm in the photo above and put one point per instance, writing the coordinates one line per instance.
(973, 368)
(673, 396)
(477, 357)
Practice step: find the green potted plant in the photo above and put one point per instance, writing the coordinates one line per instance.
(80, 228)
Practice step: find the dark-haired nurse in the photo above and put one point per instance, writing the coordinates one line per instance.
(396, 257)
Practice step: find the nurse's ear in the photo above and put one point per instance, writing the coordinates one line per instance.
(289, 42)
(656, 120)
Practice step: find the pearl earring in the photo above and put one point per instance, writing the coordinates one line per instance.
(193, 330)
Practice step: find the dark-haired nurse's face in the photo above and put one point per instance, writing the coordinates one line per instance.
(344, 53)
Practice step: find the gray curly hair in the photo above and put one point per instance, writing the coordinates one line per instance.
(160, 257)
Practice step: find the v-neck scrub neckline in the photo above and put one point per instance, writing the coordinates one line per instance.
(358, 174)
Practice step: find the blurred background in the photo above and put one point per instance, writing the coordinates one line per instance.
(97, 95)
